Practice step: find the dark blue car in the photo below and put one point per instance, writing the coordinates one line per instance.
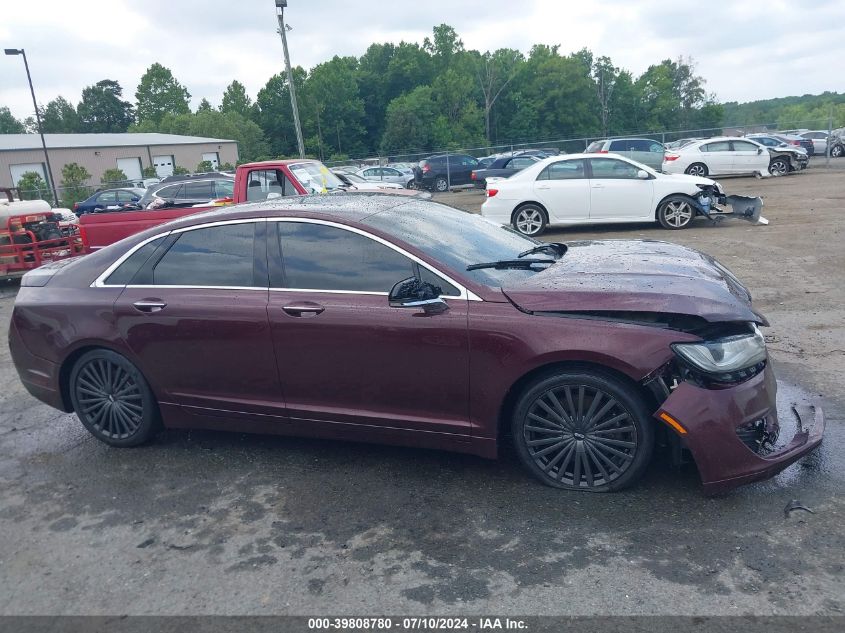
(107, 198)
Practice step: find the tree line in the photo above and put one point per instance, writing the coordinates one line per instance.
(415, 97)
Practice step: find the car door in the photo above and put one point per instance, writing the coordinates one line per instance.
(718, 157)
(105, 200)
(749, 158)
(564, 190)
(393, 175)
(616, 193)
(194, 314)
(345, 356)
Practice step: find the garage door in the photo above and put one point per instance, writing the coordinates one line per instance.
(131, 167)
(163, 165)
(19, 170)
(212, 158)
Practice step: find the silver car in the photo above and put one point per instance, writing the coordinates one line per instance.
(387, 174)
(643, 150)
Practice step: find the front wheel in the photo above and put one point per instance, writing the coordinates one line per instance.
(779, 167)
(583, 430)
(112, 399)
(837, 151)
(529, 220)
(676, 212)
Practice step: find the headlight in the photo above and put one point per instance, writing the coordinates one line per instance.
(726, 359)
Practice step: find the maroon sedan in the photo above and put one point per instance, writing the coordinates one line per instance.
(387, 319)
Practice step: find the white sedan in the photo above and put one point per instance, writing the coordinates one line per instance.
(587, 189)
(721, 156)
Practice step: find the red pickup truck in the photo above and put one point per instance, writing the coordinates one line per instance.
(253, 182)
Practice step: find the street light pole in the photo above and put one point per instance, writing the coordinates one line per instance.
(20, 51)
(280, 5)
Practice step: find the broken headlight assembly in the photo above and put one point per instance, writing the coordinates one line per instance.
(729, 359)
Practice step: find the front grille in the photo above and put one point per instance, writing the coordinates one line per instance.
(759, 436)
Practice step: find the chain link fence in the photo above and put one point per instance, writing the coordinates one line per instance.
(579, 143)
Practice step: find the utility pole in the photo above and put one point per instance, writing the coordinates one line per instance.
(829, 136)
(20, 51)
(280, 5)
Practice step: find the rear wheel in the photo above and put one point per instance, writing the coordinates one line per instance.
(112, 399)
(779, 167)
(676, 212)
(529, 219)
(441, 184)
(698, 169)
(837, 151)
(409, 184)
(583, 430)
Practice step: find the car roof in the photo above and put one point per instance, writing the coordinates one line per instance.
(340, 207)
(281, 161)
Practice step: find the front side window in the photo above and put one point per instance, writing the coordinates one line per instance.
(744, 146)
(657, 148)
(611, 168)
(107, 197)
(211, 256)
(320, 257)
(169, 193)
(200, 190)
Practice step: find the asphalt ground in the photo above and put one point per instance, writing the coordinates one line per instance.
(216, 523)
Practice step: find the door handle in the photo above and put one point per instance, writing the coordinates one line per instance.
(544, 187)
(150, 305)
(304, 308)
(598, 185)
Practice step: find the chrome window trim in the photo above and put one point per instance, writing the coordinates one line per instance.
(465, 293)
(99, 282)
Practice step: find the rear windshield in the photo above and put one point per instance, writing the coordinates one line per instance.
(595, 146)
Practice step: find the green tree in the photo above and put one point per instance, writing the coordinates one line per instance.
(60, 117)
(409, 122)
(235, 99)
(102, 109)
(204, 166)
(226, 167)
(149, 172)
(204, 106)
(178, 170)
(33, 187)
(8, 123)
(495, 72)
(275, 116)
(113, 175)
(74, 184)
(159, 93)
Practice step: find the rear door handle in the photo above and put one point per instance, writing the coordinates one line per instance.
(544, 187)
(150, 305)
(303, 308)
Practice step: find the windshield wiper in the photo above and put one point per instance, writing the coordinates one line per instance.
(504, 264)
(559, 249)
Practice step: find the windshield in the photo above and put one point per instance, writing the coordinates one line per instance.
(315, 177)
(456, 239)
(355, 178)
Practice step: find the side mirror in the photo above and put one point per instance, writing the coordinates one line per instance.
(759, 150)
(413, 293)
(642, 174)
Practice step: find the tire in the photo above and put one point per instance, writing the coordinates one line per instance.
(529, 219)
(837, 151)
(112, 399)
(409, 184)
(441, 184)
(676, 212)
(583, 430)
(697, 169)
(779, 167)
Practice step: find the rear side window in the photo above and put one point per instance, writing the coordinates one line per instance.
(212, 256)
(719, 146)
(168, 193)
(619, 146)
(200, 190)
(319, 257)
(124, 273)
(564, 170)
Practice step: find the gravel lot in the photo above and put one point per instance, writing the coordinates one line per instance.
(203, 522)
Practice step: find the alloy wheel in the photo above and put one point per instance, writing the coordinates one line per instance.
(580, 436)
(697, 170)
(837, 151)
(109, 399)
(441, 185)
(677, 213)
(529, 221)
(778, 168)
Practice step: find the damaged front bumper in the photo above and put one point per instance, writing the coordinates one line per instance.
(731, 431)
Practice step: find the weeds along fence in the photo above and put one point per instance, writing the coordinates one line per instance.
(579, 143)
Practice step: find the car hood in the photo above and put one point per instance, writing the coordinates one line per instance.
(635, 276)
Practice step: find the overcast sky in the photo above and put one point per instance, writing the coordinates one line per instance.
(746, 50)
